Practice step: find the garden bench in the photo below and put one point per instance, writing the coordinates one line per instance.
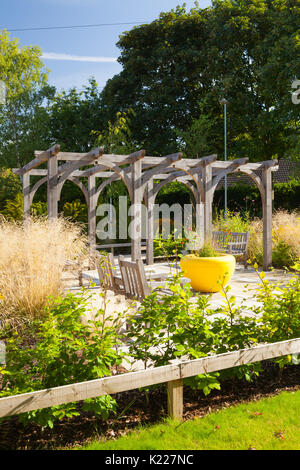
(234, 243)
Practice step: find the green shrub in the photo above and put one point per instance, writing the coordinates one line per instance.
(75, 211)
(207, 251)
(60, 350)
(233, 222)
(10, 186)
(174, 326)
(13, 208)
(282, 255)
(279, 307)
(170, 246)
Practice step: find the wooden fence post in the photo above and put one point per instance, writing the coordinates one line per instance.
(175, 399)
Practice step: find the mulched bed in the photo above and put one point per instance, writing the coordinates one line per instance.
(136, 408)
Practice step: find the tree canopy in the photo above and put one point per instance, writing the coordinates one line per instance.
(177, 68)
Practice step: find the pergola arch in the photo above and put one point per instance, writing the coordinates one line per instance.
(34, 189)
(170, 179)
(138, 171)
(75, 180)
(80, 186)
(110, 180)
(257, 180)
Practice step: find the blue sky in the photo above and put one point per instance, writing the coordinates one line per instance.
(74, 55)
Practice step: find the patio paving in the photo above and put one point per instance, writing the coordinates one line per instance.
(243, 282)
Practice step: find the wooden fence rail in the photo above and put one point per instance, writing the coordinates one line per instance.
(173, 374)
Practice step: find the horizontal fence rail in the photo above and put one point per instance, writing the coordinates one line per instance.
(173, 374)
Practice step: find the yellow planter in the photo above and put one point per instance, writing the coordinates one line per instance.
(205, 273)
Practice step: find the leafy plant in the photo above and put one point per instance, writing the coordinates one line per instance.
(233, 222)
(10, 185)
(13, 208)
(62, 349)
(75, 211)
(279, 307)
(170, 246)
(206, 251)
(175, 326)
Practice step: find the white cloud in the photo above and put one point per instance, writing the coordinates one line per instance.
(77, 58)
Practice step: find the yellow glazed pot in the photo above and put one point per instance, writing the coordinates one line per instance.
(205, 273)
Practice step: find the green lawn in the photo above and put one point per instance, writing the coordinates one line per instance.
(268, 424)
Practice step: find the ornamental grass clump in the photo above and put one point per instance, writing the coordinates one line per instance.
(285, 239)
(32, 259)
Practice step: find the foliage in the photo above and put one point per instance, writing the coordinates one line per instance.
(10, 185)
(75, 211)
(39, 209)
(233, 222)
(115, 138)
(244, 198)
(59, 350)
(170, 246)
(20, 67)
(280, 308)
(206, 251)
(13, 208)
(21, 118)
(176, 69)
(174, 326)
(73, 115)
(197, 140)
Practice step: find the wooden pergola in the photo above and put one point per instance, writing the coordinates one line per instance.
(144, 176)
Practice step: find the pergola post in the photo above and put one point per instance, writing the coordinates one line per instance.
(26, 195)
(207, 203)
(52, 181)
(150, 222)
(92, 206)
(267, 218)
(136, 224)
(199, 212)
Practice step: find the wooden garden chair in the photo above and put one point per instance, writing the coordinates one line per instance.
(107, 274)
(135, 283)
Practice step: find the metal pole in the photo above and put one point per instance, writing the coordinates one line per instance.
(225, 102)
(225, 156)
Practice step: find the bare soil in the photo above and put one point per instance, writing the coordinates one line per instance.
(140, 408)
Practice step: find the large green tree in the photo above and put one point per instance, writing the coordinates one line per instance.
(177, 68)
(23, 74)
(74, 115)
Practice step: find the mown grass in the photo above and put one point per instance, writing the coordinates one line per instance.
(269, 424)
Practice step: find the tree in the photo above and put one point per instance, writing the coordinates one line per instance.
(73, 115)
(25, 126)
(21, 70)
(177, 68)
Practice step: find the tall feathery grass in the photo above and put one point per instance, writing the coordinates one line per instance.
(32, 259)
(285, 238)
